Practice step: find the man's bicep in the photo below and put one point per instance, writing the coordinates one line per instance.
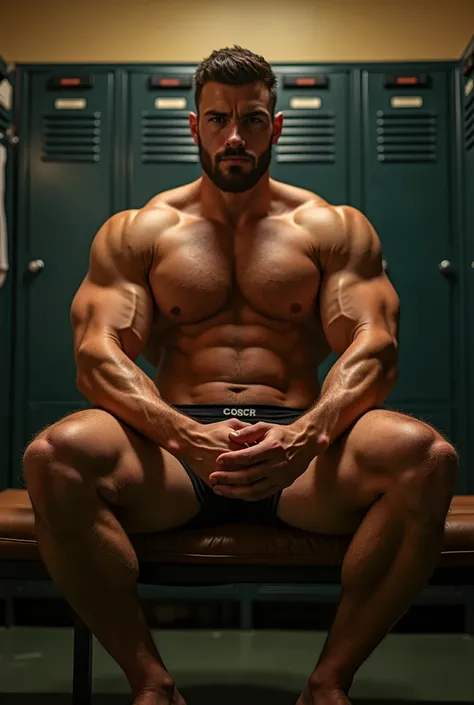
(356, 295)
(120, 313)
(113, 303)
(351, 304)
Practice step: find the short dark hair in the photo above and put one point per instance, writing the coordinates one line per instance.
(235, 67)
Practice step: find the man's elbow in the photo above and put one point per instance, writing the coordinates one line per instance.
(381, 345)
(388, 347)
(387, 353)
(91, 357)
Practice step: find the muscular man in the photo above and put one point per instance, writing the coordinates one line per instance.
(237, 287)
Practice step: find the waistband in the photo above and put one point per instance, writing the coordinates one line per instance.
(211, 413)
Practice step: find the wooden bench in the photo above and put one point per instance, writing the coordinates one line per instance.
(222, 555)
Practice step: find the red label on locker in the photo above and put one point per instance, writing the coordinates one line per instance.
(305, 81)
(407, 80)
(170, 82)
(70, 81)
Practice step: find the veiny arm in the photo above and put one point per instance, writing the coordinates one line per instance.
(111, 316)
(360, 314)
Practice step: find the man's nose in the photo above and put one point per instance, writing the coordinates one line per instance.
(235, 139)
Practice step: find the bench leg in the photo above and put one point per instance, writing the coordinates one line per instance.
(82, 675)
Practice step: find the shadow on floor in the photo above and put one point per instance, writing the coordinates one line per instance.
(199, 695)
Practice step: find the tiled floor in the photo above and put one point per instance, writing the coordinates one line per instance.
(241, 668)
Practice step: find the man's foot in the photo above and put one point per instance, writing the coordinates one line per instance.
(159, 697)
(319, 696)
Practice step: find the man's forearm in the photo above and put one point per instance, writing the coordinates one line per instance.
(110, 380)
(361, 379)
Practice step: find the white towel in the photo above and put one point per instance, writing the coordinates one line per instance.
(3, 221)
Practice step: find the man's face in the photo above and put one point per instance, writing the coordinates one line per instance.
(235, 133)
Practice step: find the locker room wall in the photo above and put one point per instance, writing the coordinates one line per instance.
(300, 30)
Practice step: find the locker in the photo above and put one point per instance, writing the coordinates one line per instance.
(313, 151)
(66, 196)
(162, 151)
(7, 146)
(407, 197)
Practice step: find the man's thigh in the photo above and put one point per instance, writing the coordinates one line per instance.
(334, 494)
(322, 498)
(147, 488)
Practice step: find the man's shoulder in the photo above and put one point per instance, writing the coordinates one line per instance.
(174, 199)
(312, 210)
(337, 231)
(315, 213)
(340, 222)
(135, 232)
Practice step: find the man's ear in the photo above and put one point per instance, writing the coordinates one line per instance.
(277, 127)
(194, 126)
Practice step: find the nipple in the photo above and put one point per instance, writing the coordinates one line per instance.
(296, 308)
(175, 311)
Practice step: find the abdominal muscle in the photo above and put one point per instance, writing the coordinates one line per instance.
(218, 374)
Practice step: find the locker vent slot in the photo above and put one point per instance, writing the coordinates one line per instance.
(403, 138)
(71, 138)
(166, 139)
(307, 137)
(469, 123)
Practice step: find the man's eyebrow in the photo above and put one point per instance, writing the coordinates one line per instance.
(250, 113)
(256, 112)
(218, 113)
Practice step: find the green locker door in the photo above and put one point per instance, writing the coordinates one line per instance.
(6, 266)
(65, 194)
(312, 152)
(162, 151)
(408, 199)
(468, 144)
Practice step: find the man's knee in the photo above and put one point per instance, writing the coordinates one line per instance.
(64, 458)
(381, 435)
(431, 482)
(402, 448)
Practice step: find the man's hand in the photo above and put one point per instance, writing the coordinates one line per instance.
(204, 443)
(277, 455)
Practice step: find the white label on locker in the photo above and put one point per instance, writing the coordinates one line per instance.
(402, 102)
(70, 104)
(469, 86)
(171, 103)
(6, 94)
(305, 103)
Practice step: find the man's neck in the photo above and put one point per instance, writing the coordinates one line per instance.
(235, 208)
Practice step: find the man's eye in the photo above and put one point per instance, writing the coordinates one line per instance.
(216, 119)
(254, 120)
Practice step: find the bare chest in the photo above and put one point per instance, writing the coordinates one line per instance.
(202, 273)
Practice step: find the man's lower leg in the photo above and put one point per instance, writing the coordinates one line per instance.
(96, 569)
(390, 560)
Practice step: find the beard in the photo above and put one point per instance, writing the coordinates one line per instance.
(236, 179)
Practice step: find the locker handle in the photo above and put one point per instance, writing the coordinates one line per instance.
(35, 266)
(446, 267)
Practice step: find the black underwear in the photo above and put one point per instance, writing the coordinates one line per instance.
(221, 510)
